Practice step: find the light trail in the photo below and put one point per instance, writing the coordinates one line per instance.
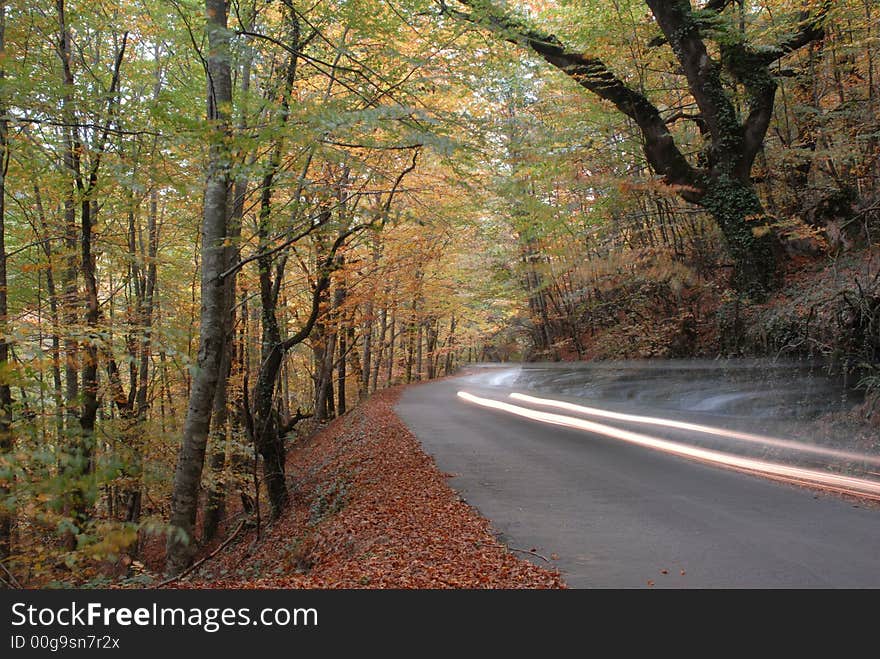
(695, 427)
(843, 484)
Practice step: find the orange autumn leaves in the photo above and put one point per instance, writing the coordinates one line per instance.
(373, 511)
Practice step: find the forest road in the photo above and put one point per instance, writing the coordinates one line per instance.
(610, 514)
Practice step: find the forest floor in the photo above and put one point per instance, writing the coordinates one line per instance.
(370, 510)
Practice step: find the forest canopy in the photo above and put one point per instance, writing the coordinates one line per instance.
(223, 224)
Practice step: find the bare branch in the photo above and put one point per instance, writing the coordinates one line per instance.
(397, 182)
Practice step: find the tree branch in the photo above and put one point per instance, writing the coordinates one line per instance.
(399, 179)
(112, 98)
(717, 5)
(287, 243)
(682, 31)
(325, 271)
(192, 568)
(811, 27)
(592, 74)
(750, 66)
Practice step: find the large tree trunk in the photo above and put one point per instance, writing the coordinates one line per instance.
(219, 439)
(190, 462)
(220, 433)
(219, 417)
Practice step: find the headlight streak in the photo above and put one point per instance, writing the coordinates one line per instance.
(799, 475)
(694, 427)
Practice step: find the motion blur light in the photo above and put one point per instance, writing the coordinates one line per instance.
(837, 483)
(695, 427)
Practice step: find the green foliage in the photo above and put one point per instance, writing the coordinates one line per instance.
(329, 498)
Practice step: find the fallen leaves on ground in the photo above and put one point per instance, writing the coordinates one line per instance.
(371, 510)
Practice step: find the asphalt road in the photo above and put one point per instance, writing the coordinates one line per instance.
(624, 516)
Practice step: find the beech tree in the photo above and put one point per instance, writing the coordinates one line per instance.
(719, 180)
(215, 294)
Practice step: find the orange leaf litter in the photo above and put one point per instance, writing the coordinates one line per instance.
(371, 510)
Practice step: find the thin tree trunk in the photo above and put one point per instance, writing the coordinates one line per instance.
(145, 317)
(268, 438)
(390, 371)
(339, 300)
(450, 347)
(72, 149)
(431, 347)
(354, 360)
(71, 164)
(380, 345)
(419, 360)
(239, 459)
(6, 437)
(341, 371)
(57, 390)
(367, 354)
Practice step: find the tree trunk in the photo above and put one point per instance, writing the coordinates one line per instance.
(419, 361)
(413, 328)
(736, 208)
(431, 346)
(341, 371)
(339, 300)
(145, 314)
(380, 345)
(367, 357)
(216, 500)
(72, 148)
(6, 439)
(391, 337)
(328, 408)
(219, 440)
(187, 476)
(354, 361)
(58, 392)
(450, 347)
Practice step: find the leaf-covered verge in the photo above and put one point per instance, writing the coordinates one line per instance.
(371, 510)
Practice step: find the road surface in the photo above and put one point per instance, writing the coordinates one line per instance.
(619, 515)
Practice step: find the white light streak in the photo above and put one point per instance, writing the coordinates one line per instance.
(838, 483)
(694, 427)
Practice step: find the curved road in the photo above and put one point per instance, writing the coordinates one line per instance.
(619, 515)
